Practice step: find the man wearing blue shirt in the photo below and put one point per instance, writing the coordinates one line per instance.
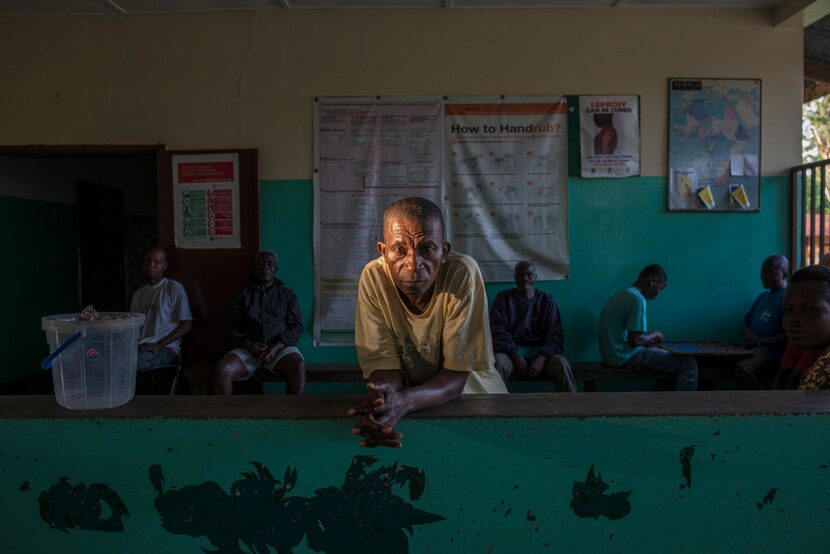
(624, 338)
(763, 330)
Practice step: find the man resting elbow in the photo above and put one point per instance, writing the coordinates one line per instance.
(421, 324)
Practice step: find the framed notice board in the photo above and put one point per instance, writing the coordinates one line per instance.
(714, 145)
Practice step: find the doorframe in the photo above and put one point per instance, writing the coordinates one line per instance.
(81, 149)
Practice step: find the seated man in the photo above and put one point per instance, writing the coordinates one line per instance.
(624, 339)
(762, 328)
(265, 326)
(421, 328)
(525, 317)
(807, 321)
(167, 316)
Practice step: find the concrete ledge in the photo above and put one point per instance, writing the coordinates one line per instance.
(579, 405)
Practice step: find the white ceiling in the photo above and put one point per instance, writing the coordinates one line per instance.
(92, 7)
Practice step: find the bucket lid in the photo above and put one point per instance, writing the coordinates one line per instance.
(71, 324)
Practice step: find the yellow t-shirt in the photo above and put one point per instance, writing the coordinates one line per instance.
(452, 333)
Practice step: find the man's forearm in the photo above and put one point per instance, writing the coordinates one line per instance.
(446, 385)
(181, 330)
(643, 339)
(392, 377)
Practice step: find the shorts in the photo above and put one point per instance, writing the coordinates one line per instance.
(252, 363)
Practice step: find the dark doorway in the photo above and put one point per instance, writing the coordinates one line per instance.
(43, 208)
(101, 245)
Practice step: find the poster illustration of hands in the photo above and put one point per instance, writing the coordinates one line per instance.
(714, 145)
(369, 152)
(609, 136)
(506, 183)
(206, 201)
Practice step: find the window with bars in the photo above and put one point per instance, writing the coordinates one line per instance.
(810, 232)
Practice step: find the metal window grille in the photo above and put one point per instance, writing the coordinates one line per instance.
(810, 233)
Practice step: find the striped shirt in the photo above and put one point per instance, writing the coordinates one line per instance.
(266, 316)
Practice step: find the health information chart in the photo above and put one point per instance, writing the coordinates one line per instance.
(206, 201)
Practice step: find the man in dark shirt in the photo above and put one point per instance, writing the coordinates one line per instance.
(527, 332)
(265, 327)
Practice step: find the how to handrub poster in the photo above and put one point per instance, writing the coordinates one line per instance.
(506, 183)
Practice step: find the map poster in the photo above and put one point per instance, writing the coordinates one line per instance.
(506, 183)
(206, 201)
(714, 145)
(609, 136)
(369, 152)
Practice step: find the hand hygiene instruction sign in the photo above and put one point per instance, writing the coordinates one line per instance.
(506, 184)
(368, 153)
(206, 201)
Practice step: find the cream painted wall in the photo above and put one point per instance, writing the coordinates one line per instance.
(248, 79)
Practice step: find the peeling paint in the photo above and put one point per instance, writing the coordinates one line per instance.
(359, 515)
(768, 498)
(66, 507)
(589, 499)
(685, 457)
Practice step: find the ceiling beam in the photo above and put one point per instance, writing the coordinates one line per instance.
(799, 13)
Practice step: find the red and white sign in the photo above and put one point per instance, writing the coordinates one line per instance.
(206, 201)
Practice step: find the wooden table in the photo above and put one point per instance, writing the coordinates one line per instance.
(717, 358)
(704, 349)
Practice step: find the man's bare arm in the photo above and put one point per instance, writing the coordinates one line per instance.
(386, 402)
(393, 377)
(637, 338)
(181, 330)
(444, 386)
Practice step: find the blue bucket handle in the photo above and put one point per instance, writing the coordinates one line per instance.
(47, 361)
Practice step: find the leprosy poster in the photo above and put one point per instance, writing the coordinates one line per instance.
(368, 153)
(506, 184)
(206, 201)
(609, 136)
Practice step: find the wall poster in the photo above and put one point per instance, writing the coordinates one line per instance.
(206, 201)
(609, 136)
(714, 145)
(368, 152)
(506, 183)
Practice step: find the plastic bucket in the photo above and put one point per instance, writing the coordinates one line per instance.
(98, 370)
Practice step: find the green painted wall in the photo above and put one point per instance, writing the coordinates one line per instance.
(616, 227)
(39, 277)
(758, 483)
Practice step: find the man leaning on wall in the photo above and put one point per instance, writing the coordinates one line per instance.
(421, 325)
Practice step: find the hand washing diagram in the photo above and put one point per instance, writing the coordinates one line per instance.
(505, 180)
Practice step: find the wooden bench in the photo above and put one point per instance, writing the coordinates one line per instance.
(590, 373)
